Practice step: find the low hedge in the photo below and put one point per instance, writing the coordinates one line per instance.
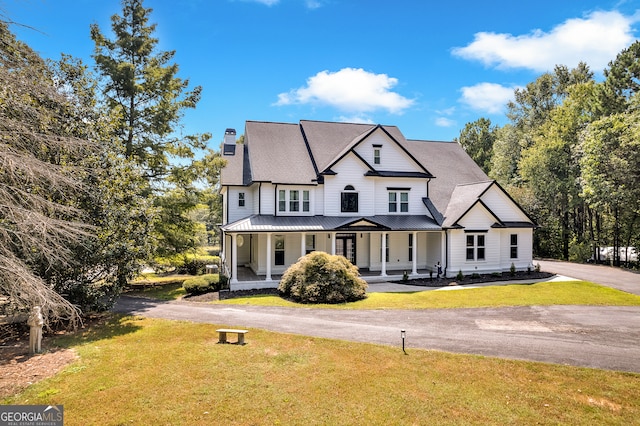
(204, 284)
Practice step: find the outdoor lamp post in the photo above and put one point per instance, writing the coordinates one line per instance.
(403, 334)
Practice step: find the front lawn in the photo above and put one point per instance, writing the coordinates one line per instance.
(147, 371)
(544, 293)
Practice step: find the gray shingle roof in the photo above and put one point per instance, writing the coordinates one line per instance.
(450, 165)
(463, 197)
(278, 153)
(296, 153)
(232, 173)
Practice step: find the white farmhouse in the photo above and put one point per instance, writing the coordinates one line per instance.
(388, 204)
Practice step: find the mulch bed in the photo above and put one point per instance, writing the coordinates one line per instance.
(478, 279)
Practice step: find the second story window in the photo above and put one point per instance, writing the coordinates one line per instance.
(294, 201)
(289, 200)
(241, 199)
(349, 200)
(376, 156)
(398, 202)
(305, 201)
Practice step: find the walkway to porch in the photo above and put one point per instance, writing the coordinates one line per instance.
(249, 280)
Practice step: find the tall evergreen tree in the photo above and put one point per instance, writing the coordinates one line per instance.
(144, 92)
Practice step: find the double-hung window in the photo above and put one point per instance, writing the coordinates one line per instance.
(475, 247)
(289, 201)
(305, 201)
(376, 156)
(398, 202)
(241, 199)
(294, 201)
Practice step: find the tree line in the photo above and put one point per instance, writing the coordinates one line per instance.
(96, 174)
(570, 155)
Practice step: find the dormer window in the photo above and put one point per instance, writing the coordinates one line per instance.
(349, 200)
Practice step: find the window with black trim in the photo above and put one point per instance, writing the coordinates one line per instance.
(279, 250)
(514, 246)
(349, 200)
(241, 199)
(475, 247)
(376, 156)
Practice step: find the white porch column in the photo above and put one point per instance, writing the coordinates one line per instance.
(383, 257)
(234, 258)
(333, 243)
(303, 243)
(414, 255)
(268, 277)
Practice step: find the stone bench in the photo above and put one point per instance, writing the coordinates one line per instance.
(222, 335)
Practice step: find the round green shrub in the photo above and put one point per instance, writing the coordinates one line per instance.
(319, 277)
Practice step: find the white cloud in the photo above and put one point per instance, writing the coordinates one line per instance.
(361, 119)
(595, 39)
(487, 97)
(351, 90)
(445, 122)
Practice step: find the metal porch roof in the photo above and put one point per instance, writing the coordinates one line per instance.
(269, 223)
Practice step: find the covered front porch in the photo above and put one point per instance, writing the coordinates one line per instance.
(249, 280)
(258, 250)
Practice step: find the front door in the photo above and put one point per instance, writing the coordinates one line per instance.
(346, 246)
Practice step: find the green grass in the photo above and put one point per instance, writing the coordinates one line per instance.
(545, 293)
(158, 287)
(146, 371)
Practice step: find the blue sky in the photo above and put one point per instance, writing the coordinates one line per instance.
(428, 67)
